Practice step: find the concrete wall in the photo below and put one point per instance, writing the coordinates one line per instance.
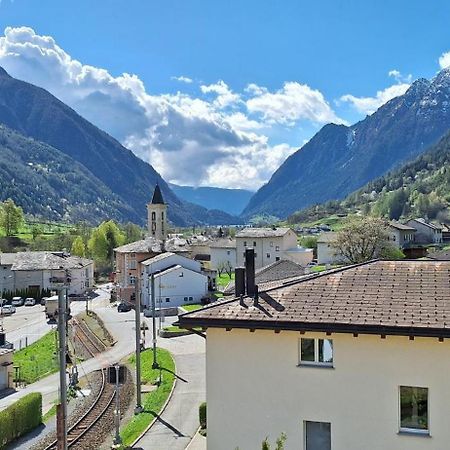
(181, 286)
(256, 389)
(219, 255)
(6, 278)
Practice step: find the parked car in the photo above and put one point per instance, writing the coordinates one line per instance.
(123, 307)
(17, 301)
(43, 300)
(7, 310)
(29, 301)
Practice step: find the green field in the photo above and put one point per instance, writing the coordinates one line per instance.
(153, 401)
(224, 279)
(38, 359)
(192, 307)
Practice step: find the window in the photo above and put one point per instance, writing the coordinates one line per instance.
(245, 243)
(132, 280)
(271, 243)
(254, 243)
(317, 435)
(153, 215)
(277, 258)
(277, 248)
(162, 215)
(316, 352)
(132, 264)
(414, 409)
(190, 299)
(167, 299)
(228, 252)
(268, 255)
(185, 299)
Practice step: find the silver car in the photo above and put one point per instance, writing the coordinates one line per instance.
(7, 310)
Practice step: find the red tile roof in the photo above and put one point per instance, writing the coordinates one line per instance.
(382, 297)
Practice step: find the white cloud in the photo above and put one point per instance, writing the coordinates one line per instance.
(183, 79)
(444, 60)
(212, 139)
(399, 77)
(293, 102)
(368, 105)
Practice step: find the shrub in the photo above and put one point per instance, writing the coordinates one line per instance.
(20, 418)
(202, 415)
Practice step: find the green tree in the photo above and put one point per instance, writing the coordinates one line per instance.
(78, 247)
(11, 217)
(132, 232)
(104, 239)
(309, 242)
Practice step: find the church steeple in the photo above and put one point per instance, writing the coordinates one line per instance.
(157, 215)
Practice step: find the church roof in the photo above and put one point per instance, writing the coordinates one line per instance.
(157, 198)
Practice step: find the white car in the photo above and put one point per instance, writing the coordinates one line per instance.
(7, 310)
(17, 301)
(30, 301)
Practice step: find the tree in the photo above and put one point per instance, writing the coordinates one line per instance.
(11, 217)
(361, 240)
(78, 247)
(132, 232)
(309, 242)
(104, 239)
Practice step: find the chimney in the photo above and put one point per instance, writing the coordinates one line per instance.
(250, 271)
(239, 281)
(256, 296)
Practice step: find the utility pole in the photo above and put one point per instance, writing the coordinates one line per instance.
(137, 309)
(155, 364)
(62, 407)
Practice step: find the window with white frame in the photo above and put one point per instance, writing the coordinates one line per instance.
(132, 264)
(414, 409)
(316, 352)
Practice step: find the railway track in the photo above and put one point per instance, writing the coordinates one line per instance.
(103, 401)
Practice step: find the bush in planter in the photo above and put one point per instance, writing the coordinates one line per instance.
(202, 415)
(20, 418)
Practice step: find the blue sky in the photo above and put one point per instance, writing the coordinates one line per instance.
(258, 78)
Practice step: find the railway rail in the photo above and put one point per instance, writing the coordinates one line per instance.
(104, 399)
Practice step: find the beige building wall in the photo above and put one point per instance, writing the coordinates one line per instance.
(255, 389)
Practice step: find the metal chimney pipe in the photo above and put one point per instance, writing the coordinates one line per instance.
(239, 281)
(250, 271)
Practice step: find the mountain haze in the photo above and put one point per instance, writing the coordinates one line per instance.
(340, 159)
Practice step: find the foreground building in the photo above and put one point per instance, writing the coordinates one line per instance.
(351, 359)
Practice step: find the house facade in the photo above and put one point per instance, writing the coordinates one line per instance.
(326, 253)
(427, 232)
(271, 245)
(401, 235)
(351, 359)
(223, 253)
(36, 271)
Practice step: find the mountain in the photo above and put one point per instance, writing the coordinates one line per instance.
(50, 184)
(127, 180)
(418, 188)
(232, 201)
(340, 159)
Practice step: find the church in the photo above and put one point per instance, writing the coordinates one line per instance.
(165, 256)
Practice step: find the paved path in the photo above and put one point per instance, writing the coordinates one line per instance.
(178, 424)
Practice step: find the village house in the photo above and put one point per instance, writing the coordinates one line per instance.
(350, 359)
(270, 245)
(223, 253)
(427, 232)
(178, 281)
(401, 235)
(326, 253)
(35, 271)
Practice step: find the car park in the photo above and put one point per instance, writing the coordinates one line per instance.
(17, 301)
(29, 301)
(123, 307)
(7, 310)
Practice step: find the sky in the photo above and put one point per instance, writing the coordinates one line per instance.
(216, 93)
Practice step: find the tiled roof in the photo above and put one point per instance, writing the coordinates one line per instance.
(381, 297)
(401, 226)
(262, 232)
(157, 258)
(48, 261)
(147, 245)
(427, 224)
(266, 276)
(7, 259)
(442, 255)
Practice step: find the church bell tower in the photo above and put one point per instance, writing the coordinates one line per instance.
(157, 216)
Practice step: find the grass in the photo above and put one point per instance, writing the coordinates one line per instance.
(49, 414)
(192, 307)
(153, 401)
(45, 229)
(224, 279)
(38, 359)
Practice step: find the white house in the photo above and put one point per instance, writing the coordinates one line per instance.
(270, 245)
(326, 253)
(351, 359)
(427, 232)
(401, 235)
(223, 252)
(36, 270)
(178, 280)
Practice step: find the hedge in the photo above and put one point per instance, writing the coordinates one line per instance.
(20, 418)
